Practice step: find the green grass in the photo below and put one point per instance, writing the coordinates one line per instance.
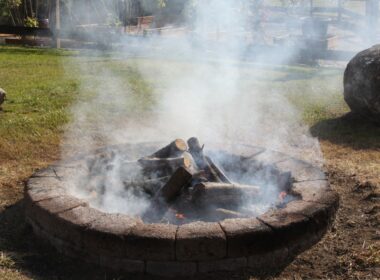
(42, 84)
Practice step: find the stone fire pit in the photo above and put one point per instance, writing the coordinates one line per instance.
(123, 243)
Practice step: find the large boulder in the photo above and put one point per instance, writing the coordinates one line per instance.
(362, 83)
(2, 96)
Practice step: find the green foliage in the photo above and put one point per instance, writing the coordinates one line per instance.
(6, 7)
(31, 22)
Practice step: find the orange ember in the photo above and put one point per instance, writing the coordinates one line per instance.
(180, 216)
(282, 195)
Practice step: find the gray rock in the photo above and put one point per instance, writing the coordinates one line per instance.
(362, 83)
(2, 96)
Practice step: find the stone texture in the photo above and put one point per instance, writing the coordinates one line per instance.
(311, 190)
(318, 223)
(270, 261)
(246, 237)
(42, 188)
(288, 227)
(200, 241)
(71, 224)
(107, 235)
(222, 265)
(60, 204)
(122, 265)
(45, 212)
(301, 171)
(362, 83)
(171, 269)
(152, 242)
(315, 211)
(62, 246)
(319, 192)
(44, 172)
(66, 170)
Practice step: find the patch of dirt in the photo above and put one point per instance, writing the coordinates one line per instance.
(351, 249)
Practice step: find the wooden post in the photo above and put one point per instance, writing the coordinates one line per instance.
(57, 23)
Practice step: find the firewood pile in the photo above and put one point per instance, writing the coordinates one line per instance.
(182, 183)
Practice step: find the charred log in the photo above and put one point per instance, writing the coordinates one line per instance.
(222, 195)
(176, 183)
(218, 173)
(196, 150)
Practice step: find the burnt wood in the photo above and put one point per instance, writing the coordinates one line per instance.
(176, 183)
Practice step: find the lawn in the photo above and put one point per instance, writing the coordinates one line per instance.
(43, 84)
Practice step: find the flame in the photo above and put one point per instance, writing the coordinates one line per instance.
(282, 196)
(180, 216)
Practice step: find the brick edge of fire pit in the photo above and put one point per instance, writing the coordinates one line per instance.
(122, 243)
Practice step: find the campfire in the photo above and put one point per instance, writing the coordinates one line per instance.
(205, 209)
(184, 184)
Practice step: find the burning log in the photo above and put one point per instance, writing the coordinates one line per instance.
(150, 187)
(173, 187)
(174, 149)
(167, 194)
(219, 173)
(204, 163)
(221, 194)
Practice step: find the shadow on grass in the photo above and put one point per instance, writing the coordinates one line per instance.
(349, 130)
(36, 259)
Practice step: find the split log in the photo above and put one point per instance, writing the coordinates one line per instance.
(174, 149)
(219, 173)
(223, 195)
(160, 167)
(196, 151)
(176, 183)
(221, 214)
(151, 186)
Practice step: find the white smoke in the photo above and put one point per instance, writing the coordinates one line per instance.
(198, 84)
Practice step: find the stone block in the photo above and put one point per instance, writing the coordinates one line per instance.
(247, 236)
(222, 265)
(107, 235)
(200, 241)
(45, 212)
(122, 265)
(287, 227)
(41, 188)
(152, 242)
(171, 269)
(270, 261)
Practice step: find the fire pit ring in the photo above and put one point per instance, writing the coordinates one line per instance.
(262, 244)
